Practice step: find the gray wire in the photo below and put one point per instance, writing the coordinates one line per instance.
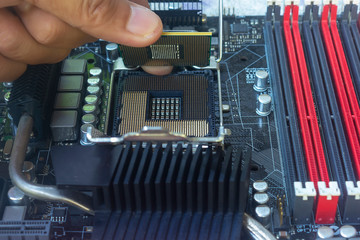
(38, 191)
(256, 230)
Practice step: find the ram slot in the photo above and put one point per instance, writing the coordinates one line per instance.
(328, 192)
(350, 12)
(334, 136)
(342, 82)
(301, 192)
(347, 101)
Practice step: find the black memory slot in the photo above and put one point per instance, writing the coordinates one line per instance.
(284, 138)
(350, 49)
(328, 131)
(331, 97)
(289, 99)
(279, 103)
(355, 31)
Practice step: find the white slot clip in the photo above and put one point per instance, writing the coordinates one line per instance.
(304, 192)
(331, 191)
(353, 190)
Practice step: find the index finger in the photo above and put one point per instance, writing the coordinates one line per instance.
(117, 21)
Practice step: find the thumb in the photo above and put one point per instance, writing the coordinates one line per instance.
(119, 21)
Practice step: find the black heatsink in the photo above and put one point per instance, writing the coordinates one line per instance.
(33, 93)
(151, 192)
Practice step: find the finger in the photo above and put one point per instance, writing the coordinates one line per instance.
(17, 44)
(50, 31)
(10, 70)
(9, 3)
(158, 70)
(117, 21)
(144, 3)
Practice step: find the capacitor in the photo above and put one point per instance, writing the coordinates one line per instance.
(263, 105)
(16, 196)
(226, 108)
(93, 90)
(92, 99)
(7, 96)
(94, 80)
(260, 186)
(261, 81)
(90, 108)
(348, 231)
(263, 215)
(84, 130)
(29, 170)
(95, 71)
(261, 198)
(8, 84)
(89, 119)
(7, 149)
(112, 52)
(325, 232)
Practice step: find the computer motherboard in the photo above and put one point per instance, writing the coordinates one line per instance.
(254, 135)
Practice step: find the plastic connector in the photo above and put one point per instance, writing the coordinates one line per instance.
(327, 201)
(25, 230)
(304, 202)
(351, 212)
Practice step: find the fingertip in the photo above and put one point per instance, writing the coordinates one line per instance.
(158, 70)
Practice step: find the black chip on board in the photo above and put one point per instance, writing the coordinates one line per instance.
(240, 28)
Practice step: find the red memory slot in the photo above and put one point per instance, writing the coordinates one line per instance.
(340, 89)
(300, 102)
(314, 150)
(319, 149)
(345, 69)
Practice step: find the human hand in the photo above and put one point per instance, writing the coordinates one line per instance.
(43, 31)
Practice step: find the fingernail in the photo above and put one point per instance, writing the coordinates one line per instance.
(142, 21)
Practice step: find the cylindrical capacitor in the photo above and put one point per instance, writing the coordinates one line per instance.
(8, 84)
(325, 232)
(94, 80)
(92, 99)
(260, 186)
(94, 90)
(261, 81)
(16, 196)
(7, 96)
(95, 71)
(261, 198)
(89, 119)
(29, 170)
(348, 231)
(263, 105)
(90, 108)
(84, 130)
(263, 215)
(112, 52)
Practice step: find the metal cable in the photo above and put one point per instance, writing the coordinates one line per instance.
(256, 230)
(38, 191)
